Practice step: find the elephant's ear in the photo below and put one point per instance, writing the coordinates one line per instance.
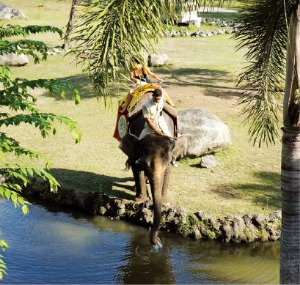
(129, 145)
(181, 146)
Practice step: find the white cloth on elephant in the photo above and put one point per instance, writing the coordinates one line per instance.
(154, 111)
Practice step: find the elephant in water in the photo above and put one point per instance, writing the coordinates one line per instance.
(155, 153)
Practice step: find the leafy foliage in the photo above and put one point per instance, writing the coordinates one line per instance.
(110, 34)
(3, 246)
(264, 33)
(20, 106)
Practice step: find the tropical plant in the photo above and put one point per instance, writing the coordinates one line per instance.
(270, 31)
(19, 107)
(70, 24)
(110, 33)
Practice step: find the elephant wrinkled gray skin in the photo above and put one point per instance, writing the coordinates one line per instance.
(155, 153)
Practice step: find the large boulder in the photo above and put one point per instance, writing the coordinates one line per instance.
(157, 59)
(7, 12)
(205, 132)
(14, 59)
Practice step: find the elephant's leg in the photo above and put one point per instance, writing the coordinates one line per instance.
(165, 184)
(140, 184)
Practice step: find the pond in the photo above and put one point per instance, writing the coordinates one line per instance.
(67, 247)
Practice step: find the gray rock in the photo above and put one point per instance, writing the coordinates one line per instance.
(195, 232)
(201, 215)
(14, 59)
(221, 32)
(158, 59)
(238, 226)
(208, 161)
(7, 12)
(277, 215)
(205, 132)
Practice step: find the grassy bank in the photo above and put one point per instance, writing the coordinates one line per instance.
(201, 74)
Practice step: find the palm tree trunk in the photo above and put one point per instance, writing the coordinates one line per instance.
(290, 181)
(70, 23)
(290, 165)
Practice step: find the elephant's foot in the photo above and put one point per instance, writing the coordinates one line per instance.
(165, 200)
(158, 246)
(141, 199)
(154, 239)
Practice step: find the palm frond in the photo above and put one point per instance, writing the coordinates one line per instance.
(110, 34)
(263, 31)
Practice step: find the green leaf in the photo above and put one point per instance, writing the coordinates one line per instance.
(7, 194)
(3, 244)
(25, 209)
(263, 32)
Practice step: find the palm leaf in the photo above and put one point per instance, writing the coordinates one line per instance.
(110, 34)
(263, 31)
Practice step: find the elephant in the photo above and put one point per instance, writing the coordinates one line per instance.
(155, 154)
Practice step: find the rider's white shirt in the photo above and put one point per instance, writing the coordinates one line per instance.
(154, 111)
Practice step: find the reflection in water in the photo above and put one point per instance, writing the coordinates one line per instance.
(254, 263)
(52, 247)
(145, 264)
(141, 263)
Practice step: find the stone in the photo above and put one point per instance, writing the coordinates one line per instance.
(7, 12)
(196, 234)
(158, 59)
(201, 215)
(276, 215)
(208, 161)
(13, 59)
(238, 226)
(205, 132)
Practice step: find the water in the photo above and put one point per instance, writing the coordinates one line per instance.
(53, 247)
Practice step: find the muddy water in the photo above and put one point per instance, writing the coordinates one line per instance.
(54, 247)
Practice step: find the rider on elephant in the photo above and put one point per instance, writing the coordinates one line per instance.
(152, 112)
(154, 121)
(139, 76)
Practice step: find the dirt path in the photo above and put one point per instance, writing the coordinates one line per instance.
(223, 103)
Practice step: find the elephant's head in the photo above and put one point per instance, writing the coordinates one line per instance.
(155, 153)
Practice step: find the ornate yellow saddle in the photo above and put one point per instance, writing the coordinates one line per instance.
(122, 119)
(138, 92)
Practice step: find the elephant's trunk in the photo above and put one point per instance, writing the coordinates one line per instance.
(156, 185)
(156, 219)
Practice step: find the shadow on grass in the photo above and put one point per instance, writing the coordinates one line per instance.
(266, 194)
(86, 90)
(208, 79)
(193, 76)
(91, 182)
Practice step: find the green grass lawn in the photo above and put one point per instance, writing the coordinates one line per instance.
(201, 74)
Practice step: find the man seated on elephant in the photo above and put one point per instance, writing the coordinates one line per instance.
(139, 74)
(154, 121)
